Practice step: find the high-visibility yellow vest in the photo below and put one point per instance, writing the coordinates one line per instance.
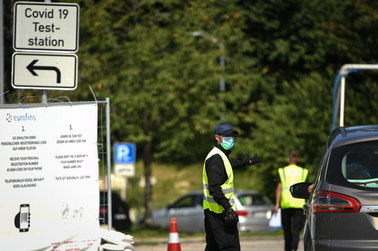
(227, 187)
(291, 175)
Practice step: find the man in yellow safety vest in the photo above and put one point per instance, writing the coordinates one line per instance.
(292, 217)
(218, 186)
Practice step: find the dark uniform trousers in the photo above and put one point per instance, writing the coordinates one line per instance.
(293, 221)
(219, 237)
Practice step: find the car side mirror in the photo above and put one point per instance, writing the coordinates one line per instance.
(300, 190)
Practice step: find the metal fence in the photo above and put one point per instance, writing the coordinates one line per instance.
(104, 153)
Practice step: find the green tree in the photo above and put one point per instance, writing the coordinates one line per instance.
(163, 81)
(300, 46)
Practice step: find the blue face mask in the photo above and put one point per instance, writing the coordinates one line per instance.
(228, 142)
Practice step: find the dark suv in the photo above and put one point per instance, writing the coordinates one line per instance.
(120, 211)
(342, 209)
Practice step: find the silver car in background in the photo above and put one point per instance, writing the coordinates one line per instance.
(254, 210)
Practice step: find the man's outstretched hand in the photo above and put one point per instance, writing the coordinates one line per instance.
(255, 160)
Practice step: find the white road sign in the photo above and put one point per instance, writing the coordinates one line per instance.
(46, 27)
(44, 71)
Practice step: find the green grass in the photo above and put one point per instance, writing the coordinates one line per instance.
(173, 181)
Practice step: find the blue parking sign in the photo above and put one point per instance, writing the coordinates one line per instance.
(124, 153)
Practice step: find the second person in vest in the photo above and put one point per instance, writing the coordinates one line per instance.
(218, 185)
(292, 217)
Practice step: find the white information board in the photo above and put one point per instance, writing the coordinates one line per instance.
(46, 26)
(49, 178)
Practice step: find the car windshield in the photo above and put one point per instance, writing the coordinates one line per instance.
(356, 164)
(252, 199)
(188, 201)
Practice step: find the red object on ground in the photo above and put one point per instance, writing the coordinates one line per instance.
(174, 240)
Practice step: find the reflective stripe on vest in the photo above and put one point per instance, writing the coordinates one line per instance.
(227, 187)
(291, 175)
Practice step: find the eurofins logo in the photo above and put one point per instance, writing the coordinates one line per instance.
(8, 117)
(24, 117)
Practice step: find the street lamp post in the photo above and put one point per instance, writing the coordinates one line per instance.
(222, 83)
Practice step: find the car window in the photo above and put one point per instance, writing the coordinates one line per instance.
(355, 165)
(252, 199)
(198, 201)
(187, 201)
(103, 198)
(321, 170)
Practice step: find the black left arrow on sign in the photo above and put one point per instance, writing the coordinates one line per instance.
(32, 67)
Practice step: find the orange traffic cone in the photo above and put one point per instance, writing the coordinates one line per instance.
(174, 240)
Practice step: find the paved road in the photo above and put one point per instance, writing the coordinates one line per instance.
(247, 244)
